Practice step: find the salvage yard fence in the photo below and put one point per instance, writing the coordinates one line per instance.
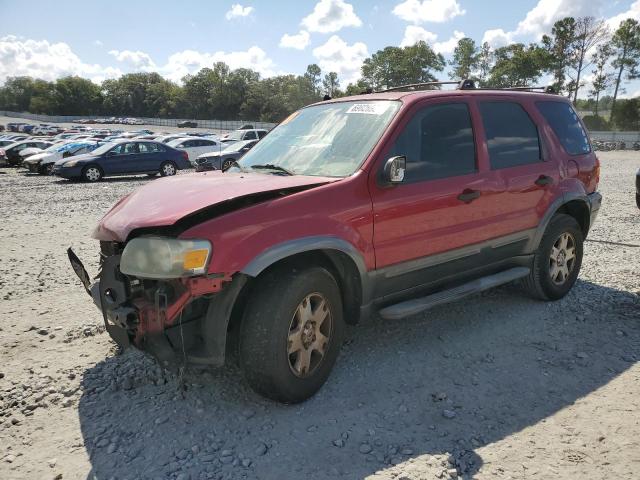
(162, 122)
(613, 136)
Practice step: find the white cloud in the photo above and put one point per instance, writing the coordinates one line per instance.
(413, 34)
(238, 10)
(497, 37)
(344, 59)
(633, 12)
(137, 60)
(448, 46)
(331, 16)
(541, 18)
(98, 43)
(190, 61)
(416, 11)
(48, 61)
(299, 41)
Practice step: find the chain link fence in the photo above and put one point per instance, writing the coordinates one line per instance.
(627, 137)
(227, 125)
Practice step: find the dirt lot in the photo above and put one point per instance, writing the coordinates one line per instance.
(498, 386)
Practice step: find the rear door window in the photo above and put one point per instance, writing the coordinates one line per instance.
(250, 135)
(511, 135)
(438, 143)
(565, 124)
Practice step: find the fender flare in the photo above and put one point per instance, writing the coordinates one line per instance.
(286, 249)
(534, 241)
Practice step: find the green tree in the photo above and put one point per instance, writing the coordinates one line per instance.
(331, 85)
(484, 63)
(313, 74)
(602, 79)
(561, 47)
(626, 115)
(589, 34)
(626, 52)
(518, 65)
(396, 66)
(77, 96)
(465, 61)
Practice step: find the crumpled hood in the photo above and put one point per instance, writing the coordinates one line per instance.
(163, 202)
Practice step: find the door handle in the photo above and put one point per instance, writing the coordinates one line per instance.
(468, 195)
(544, 180)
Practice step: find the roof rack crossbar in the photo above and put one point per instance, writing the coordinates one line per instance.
(417, 85)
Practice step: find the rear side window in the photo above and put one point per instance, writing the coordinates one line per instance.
(261, 133)
(250, 135)
(438, 143)
(565, 124)
(511, 135)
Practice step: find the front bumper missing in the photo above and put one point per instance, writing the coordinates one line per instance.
(152, 319)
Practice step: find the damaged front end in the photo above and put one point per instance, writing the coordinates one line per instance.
(176, 319)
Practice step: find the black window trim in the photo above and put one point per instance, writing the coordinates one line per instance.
(584, 129)
(542, 149)
(418, 108)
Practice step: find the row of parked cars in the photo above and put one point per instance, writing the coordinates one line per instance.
(82, 153)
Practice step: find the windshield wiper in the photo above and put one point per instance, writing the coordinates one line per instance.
(271, 166)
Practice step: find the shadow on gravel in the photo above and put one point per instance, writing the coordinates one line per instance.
(443, 384)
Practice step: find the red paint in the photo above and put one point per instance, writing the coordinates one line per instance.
(386, 224)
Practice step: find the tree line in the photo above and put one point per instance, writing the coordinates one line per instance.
(575, 48)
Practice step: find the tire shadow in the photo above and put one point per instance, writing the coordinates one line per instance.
(497, 363)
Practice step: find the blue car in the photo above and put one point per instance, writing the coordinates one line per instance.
(126, 157)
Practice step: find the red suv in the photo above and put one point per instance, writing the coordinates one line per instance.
(389, 202)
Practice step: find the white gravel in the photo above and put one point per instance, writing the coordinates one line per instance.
(498, 386)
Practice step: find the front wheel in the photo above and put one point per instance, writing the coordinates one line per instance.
(168, 169)
(92, 173)
(558, 259)
(291, 333)
(227, 164)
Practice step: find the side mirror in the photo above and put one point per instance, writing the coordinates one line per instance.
(394, 170)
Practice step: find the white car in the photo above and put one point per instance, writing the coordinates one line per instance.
(249, 134)
(195, 146)
(42, 163)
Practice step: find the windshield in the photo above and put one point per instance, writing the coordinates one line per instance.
(331, 139)
(234, 147)
(104, 148)
(237, 135)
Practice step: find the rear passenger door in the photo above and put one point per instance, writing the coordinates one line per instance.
(518, 156)
(149, 156)
(444, 205)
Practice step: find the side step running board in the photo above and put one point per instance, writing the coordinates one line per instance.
(417, 305)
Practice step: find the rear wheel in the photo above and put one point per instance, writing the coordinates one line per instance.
(168, 169)
(558, 259)
(291, 333)
(92, 173)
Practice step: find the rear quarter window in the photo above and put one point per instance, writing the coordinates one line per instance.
(564, 122)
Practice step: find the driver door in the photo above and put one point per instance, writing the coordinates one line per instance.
(123, 158)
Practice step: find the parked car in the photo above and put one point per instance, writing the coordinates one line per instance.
(27, 152)
(187, 124)
(196, 146)
(391, 202)
(638, 188)
(170, 137)
(239, 135)
(224, 159)
(125, 157)
(12, 151)
(43, 163)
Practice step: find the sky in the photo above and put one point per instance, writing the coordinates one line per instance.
(99, 40)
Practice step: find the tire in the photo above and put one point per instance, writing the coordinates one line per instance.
(638, 199)
(167, 169)
(271, 329)
(48, 169)
(92, 173)
(557, 260)
(226, 164)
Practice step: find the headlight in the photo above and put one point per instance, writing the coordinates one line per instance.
(157, 257)
(70, 163)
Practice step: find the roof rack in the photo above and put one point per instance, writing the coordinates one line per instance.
(466, 84)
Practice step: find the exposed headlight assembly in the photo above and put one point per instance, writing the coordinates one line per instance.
(162, 258)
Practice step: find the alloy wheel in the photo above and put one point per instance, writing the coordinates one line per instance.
(309, 335)
(562, 258)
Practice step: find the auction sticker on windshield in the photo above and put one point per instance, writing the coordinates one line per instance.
(372, 108)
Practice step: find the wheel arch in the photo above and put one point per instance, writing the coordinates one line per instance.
(340, 257)
(575, 205)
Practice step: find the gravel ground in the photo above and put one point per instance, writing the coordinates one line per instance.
(497, 386)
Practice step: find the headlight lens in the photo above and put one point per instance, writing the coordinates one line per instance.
(157, 257)
(70, 163)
